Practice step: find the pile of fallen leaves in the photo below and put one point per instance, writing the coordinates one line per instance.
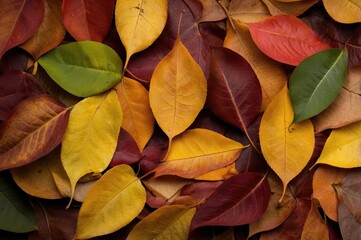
(180, 119)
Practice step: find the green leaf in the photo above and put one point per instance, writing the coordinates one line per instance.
(83, 68)
(316, 82)
(16, 214)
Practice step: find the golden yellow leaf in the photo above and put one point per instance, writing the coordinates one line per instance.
(342, 148)
(270, 73)
(177, 91)
(138, 119)
(168, 222)
(219, 174)
(139, 23)
(248, 10)
(112, 202)
(344, 11)
(286, 147)
(198, 151)
(91, 136)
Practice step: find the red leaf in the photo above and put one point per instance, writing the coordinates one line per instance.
(88, 19)
(286, 39)
(19, 20)
(16, 86)
(239, 200)
(35, 127)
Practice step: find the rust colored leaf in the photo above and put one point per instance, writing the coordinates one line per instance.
(36, 127)
(88, 20)
(19, 20)
(315, 227)
(286, 39)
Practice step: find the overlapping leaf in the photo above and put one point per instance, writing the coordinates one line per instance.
(35, 127)
(113, 202)
(198, 151)
(286, 39)
(294, 8)
(248, 10)
(344, 11)
(83, 68)
(316, 82)
(91, 136)
(350, 228)
(314, 227)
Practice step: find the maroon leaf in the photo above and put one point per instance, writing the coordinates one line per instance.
(16, 86)
(14, 59)
(19, 20)
(127, 151)
(239, 200)
(88, 19)
(34, 128)
(200, 191)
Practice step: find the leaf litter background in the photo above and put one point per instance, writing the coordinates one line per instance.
(180, 119)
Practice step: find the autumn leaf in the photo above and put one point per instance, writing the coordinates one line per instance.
(314, 227)
(248, 10)
(344, 11)
(35, 127)
(281, 140)
(294, 8)
(122, 199)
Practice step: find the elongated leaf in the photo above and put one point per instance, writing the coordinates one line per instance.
(316, 82)
(168, 222)
(50, 32)
(198, 151)
(36, 127)
(282, 141)
(233, 83)
(138, 117)
(92, 135)
(344, 11)
(113, 202)
(249, 191)
(178, 90)
(139, 23)
(286, 39)
(83, 68)
(341, 147)
(19, 20)
(88, 20)
(16, 214)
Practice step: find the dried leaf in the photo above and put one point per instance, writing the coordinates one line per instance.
(294, 8)
(314, 227)
(212, 10)
(344, 11)
(248, 10)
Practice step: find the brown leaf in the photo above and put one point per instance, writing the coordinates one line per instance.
(212, 10)
(289, 8)
(315, 227)
(350, 228)
(248, 10)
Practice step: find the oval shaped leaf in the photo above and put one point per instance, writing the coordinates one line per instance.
(344, 11)
(138, 118)
(92, 135)
(316, 82)
(83, 68)
(198, 151)
(111, 203)
(139, 23)
(286, 146)
(244, 192)
(168, 222)
(88, 20)
(177, 91)
(19, 20)
(35, 127)
(286, 39)
(342, 147)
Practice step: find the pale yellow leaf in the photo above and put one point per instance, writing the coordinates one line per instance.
(286, 147)
(177, 91)
(344, 11)
(138, 119)
(91, 136)
(270, 73)
(198, 151)
(111, 203)
(342, 148)
(168, 222)
(139, 23)
(165, 186)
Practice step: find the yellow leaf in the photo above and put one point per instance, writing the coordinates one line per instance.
(165, 186)
(139, 23)
(112, 202)
(248, 10)
(168, 222)
(91, 136)
(344, 11)
(138, 119)
(342, 148)
(270, 73)
(219, 174)
(177, 91)
(286, 147)
(198, 151)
